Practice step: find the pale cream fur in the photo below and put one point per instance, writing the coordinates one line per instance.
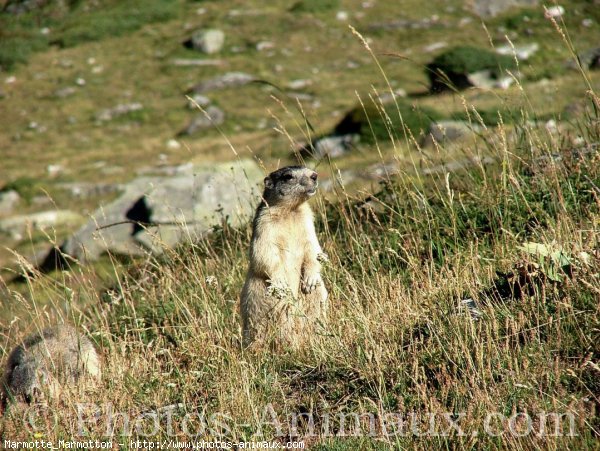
(284, 297)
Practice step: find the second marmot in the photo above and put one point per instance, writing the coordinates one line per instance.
(284, 297)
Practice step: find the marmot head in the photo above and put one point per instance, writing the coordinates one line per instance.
(291, 185)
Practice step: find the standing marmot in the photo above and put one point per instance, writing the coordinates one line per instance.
(46, 360)
(284, 296)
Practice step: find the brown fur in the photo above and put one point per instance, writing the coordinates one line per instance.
(284, 297)
(47, 360)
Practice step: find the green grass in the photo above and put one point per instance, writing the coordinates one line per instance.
(21, 36)
(449, 69)
(384, 122)
(314, 6)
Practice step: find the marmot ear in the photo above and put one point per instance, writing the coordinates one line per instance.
(268, 183)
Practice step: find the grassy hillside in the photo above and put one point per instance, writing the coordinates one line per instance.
(467, 295)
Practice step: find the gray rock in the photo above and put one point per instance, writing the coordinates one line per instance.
(65, 92)
(8, 201)
(84, 190)
(208, 41)
(299, 84)
(334, 146)
(486, 80)
(457, 165)
(17, 7)
(198, 99)
(491, 8)
(341, 179)
(469, 306)
(448, 131)
(182, 207)
(185, 62)
(406, 24)
(119, 110)
(229, 80)
(385, 170)
(213, 118)
(16, 225)
(590, 59)
(523, 52)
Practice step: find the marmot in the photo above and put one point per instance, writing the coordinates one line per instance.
(46, 360)
(284, 296)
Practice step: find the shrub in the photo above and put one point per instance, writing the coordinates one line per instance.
(25, 186)
(123, 18)
(453, 66)
(314, 6)
(20, 35)
(374, 123)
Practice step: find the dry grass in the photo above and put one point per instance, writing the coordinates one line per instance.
(398, 340)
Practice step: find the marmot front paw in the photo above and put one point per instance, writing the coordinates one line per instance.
(311, 282)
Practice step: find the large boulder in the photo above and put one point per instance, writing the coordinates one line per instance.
(491, 8)
(15, 226)
(449, 131)
(8, 201)
(228, 80)
(377, 122)
(155, 213)
(464, 67)
(212, 118)
(207, 41)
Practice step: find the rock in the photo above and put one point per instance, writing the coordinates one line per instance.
(229, 80)
(18, 7)
(85, 190)
(198, 100)
(405, 24)
(448, 131)
(54, 170)
(342, 178)
(265, 45)
(382, 170)
(213, 118)
(491, 8)
(554, 12)
(16, 225)
(342, 16)
(65, 92)
(435, 46)
(207, 41)
(299, 84)
(457, 165)
(181, 207)
(173, 144)
(334, 146)
(523, 52)
(590, 59)
(463, 67)
(8, 201)
(119, 110)
(183, 62)
(485, 79)
(469, 306)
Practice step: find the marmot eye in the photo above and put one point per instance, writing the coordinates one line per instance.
(314, 177)
(287, 177)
